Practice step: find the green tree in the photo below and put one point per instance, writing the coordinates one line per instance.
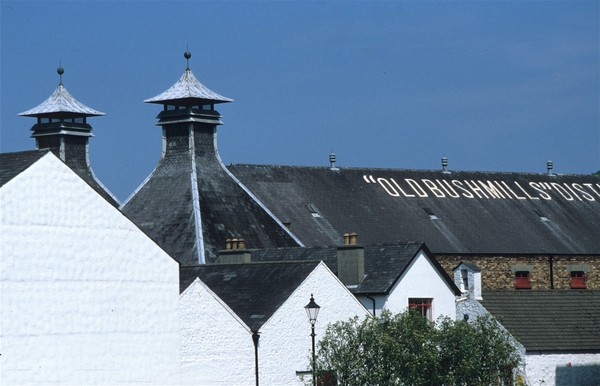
(481, 353)
(407, 349)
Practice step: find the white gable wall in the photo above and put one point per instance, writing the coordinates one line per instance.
(87, 297)
(216, 346)
(285, 341)
(422, 280)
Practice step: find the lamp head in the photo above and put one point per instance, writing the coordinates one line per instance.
(312, 310)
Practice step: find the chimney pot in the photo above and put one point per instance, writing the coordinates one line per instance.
(241, 244)
(228, 244)
(346, 238)
(353, 238)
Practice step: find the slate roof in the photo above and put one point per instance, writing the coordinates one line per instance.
(538, 213)
(188, 87)
(61, 102)
(384, 263)
(469, 264)
(190, 205)
(254, 291)
(552, 320)
(13, 164)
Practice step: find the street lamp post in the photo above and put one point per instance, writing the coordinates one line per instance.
(312, 310)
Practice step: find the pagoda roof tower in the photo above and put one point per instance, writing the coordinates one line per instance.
(191, 204)
(62, 127)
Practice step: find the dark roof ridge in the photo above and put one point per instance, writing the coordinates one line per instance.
(26, 151)
(316, 261)
(15, 163)
(407, 169)
(321, 247)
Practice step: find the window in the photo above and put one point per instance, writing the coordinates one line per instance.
(423, 306)
(578, 280)
(522, 280)
(464, 280)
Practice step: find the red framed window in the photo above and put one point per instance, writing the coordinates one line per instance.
(522, 280)
(578, 280)
(423, 306)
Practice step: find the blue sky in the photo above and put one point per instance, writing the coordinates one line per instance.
(498, 86)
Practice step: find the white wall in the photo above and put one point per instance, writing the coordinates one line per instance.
(421, 280)
(216, 346)
(87, 298)
(285, 342)
(563, 369)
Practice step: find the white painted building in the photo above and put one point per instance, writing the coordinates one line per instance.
(224, 305)
(383, 277)
(87, 297)
(423, 285)
(555, 331)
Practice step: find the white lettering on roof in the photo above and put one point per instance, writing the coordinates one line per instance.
(488, 189)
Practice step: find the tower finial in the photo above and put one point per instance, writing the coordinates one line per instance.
(60, 70)
(187, 57)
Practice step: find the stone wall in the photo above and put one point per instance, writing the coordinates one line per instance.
(548, 271)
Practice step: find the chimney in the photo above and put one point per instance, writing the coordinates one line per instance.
(350, 260)
(235, 252)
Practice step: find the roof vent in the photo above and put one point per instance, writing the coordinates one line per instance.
(332, 159)
(542, 217)
(313, 210)
(430, 213)
(445, 165)
(549, 167)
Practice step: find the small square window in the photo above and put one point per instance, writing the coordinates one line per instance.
(423, 306)
(578, 280)
(522, 280)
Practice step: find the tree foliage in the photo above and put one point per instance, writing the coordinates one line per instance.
(407, 349)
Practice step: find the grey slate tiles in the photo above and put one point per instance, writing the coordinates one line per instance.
(384, 263)
(553, 320)
(13, 164)
(253, 291)
(455, 213)
(190, 204)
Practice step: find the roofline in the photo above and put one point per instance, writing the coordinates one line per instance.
(219, 300)
(431, 257)
(416, 170)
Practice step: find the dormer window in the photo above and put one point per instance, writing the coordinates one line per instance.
(578, 280)
(522, 280)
